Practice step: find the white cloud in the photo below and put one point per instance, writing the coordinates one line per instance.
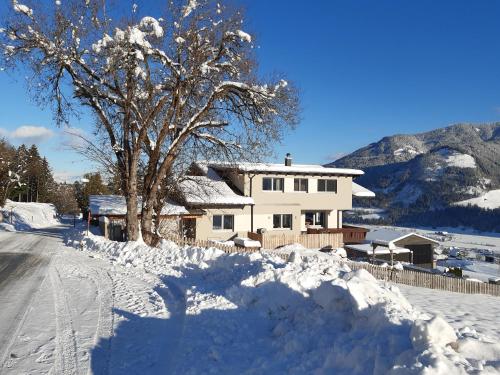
(28, 134)
(32, 134)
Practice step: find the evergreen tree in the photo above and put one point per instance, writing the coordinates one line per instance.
(93, 185)
(7, 176)
(19, 167)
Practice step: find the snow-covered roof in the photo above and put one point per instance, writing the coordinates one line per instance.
(211, 189)
(367, 248)
(360, 191)
(281, 168)
(116, 205)
(387, 237)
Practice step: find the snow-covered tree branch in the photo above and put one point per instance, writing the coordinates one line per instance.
(154, 84)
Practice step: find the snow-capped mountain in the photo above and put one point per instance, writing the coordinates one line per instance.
(432, 170)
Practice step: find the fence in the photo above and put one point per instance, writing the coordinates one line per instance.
(406, 277)
(182, 241)
(310, 241)
(425, 280)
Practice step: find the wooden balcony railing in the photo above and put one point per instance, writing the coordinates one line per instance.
(351, 235)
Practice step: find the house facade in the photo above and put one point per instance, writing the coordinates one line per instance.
(287, 198)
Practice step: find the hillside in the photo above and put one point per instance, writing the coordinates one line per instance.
(431, 171)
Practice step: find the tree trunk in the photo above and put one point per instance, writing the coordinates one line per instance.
(132, 222)
(147, 222)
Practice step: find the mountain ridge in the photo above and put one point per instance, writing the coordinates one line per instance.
(416, 173)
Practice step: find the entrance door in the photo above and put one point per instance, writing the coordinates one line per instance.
(189, 227)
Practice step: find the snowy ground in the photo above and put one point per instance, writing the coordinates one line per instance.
(125, 308)
(471, 314)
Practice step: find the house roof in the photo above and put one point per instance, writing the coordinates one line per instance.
(314, 169)
(360, 191)
(116, 205)
(387, 237)
(367, 248)
(211, 189)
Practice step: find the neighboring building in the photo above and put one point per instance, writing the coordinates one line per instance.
(238, 198)
(406, 247)
(110, 211)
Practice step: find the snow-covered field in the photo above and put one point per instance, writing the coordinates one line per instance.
(489, 200)
(367, 213)
(470, 314)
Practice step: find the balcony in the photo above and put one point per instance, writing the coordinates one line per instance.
(270, 240)
(351, 234)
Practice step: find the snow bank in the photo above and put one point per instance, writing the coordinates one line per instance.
(308, 315)
(27, 216)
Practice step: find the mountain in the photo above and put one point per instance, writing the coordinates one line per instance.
(415, 176)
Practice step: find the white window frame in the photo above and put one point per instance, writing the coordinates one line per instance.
(222, 228)
(281, 216)
(273, 183)
(316, 218)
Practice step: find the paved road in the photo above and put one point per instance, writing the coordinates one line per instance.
(24, 260)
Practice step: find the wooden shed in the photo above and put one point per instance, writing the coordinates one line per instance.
(421, 247)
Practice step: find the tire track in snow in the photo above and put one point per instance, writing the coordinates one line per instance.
(66, 361)
(103, 283)
(106, 319)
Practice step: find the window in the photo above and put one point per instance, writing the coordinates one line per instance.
(300, 184)
(315, 218)
(327, 185)
(220, 222)
(272, 184)
(282, 221)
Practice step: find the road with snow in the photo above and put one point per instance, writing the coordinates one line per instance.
(23, 268)
(61, 308)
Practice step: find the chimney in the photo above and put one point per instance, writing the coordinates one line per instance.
(288, 160)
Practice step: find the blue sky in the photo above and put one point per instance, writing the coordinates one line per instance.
(366, 69)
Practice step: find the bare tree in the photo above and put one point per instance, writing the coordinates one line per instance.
(158, 87)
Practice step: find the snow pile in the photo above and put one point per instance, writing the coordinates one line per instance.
(310, 315)
(27, 216)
